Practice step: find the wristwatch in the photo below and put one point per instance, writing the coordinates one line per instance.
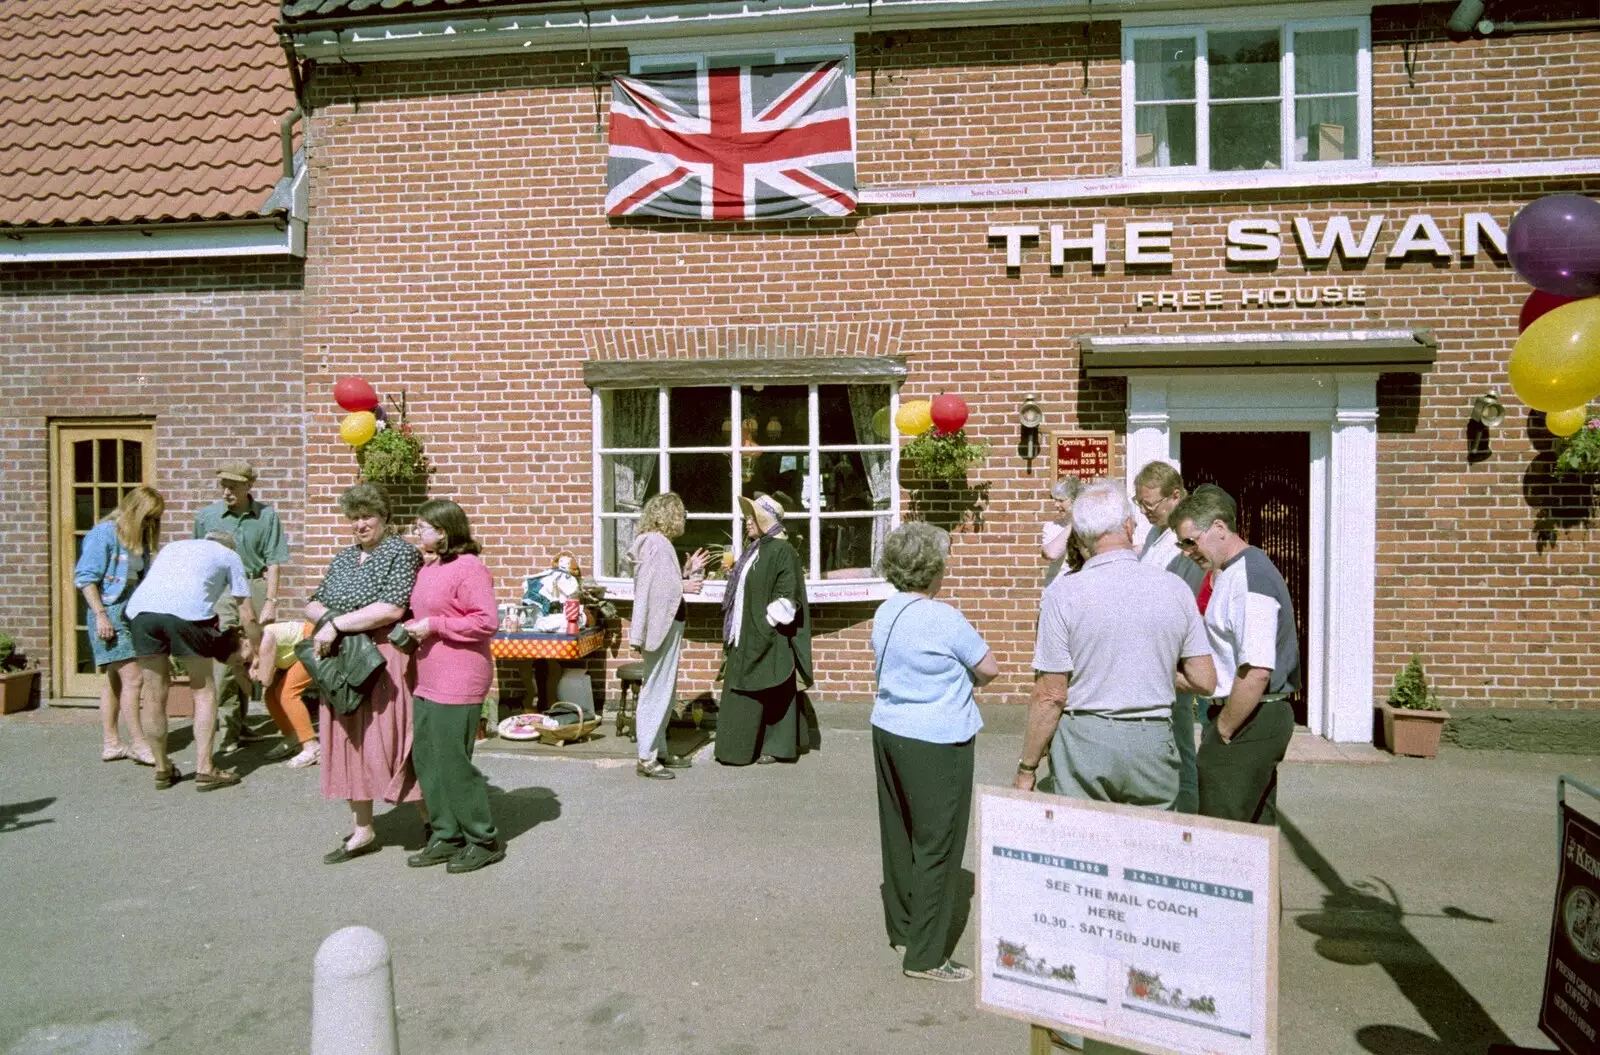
(1027, 768)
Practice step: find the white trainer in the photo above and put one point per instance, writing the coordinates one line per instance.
(309, 755)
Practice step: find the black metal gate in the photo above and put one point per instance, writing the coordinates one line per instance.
(1269, 476)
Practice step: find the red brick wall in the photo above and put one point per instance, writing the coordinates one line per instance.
(459, 249)
(209, 350)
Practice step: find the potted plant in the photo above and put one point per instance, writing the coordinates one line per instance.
(1412, 719)
(1580, 453)
(19, 681)
(938, 455)
(394, 454)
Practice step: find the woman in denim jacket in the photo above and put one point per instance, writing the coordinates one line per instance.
(115, 553)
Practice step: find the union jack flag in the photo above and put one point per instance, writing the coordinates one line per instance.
(738, 143)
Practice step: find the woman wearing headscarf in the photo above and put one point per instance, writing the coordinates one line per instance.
(366, 754)
(656, 629)
(116, 552)
(766, 635)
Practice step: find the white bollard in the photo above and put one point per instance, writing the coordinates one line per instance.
(352, 996)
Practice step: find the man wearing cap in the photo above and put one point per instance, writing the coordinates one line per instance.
(259, 541)
(1250, 623)
(766, 633)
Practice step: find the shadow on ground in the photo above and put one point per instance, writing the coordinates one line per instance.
(12, 812)
(1363, 923)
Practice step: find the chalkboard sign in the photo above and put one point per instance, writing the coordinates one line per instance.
(1086, 455)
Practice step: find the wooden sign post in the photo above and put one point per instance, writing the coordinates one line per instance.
(1086, 455)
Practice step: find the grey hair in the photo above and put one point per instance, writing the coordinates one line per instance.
(914, 556)
(365, 500)
(222, 538)
(1101, 509)
(1205, 505)
(1066, 489)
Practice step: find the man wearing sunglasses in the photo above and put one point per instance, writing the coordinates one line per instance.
(1250, 623)
(1157, 490)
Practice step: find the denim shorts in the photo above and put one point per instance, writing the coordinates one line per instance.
(121, 647)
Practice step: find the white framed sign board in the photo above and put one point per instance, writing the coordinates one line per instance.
(1152, 930)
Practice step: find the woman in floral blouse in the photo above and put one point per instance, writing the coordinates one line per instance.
(366, 755)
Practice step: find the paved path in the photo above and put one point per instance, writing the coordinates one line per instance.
(725, 912)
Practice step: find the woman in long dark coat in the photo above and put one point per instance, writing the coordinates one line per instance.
(766, 631)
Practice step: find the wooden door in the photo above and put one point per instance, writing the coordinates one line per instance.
(1269, 476)
(93, 464)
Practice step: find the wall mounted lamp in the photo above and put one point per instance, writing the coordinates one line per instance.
(1029, 417)
(1488, 411)
(1464, 19)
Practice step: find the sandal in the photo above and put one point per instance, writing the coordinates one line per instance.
(165, 778)
(654, 770)
(108, 753)
(217, 778)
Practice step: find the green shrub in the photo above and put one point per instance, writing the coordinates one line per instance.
(1411, 692)
(938, 455)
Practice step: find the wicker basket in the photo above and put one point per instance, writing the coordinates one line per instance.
(565, 734)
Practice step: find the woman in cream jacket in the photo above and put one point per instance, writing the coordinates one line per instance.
(656, 630)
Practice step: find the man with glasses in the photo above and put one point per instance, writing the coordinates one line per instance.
(1158, 489)
(1250, 623)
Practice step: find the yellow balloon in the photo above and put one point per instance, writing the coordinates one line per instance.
(1566, 422)
(1556, 363)
(915, 417)
(880, 423)
(358, 428)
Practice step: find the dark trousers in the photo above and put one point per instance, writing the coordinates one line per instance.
(1239, 780)
(1188, 772)
(924, 802)
(759, 722)
(457, 795)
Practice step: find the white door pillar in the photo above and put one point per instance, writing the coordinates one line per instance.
(1352, 559)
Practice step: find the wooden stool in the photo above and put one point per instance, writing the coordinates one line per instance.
(631, 675)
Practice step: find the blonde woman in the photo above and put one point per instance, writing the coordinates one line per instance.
(656, 630)
(116, 552)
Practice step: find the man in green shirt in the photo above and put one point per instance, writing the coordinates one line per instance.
(261, 546)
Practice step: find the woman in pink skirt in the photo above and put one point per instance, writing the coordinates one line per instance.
(366, 755)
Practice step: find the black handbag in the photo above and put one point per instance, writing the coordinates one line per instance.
(342, 676)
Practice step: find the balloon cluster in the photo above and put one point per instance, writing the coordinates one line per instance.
(946, 414)
(361, 400)
(1554, 243)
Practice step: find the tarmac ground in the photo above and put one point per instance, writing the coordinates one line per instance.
(731, 911)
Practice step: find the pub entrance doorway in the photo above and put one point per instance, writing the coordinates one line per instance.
(1268, 475)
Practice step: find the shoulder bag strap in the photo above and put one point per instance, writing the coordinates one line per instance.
(877, 672)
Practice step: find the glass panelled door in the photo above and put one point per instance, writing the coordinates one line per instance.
(93, 466)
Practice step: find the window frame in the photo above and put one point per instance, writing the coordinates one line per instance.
(684, 57)
(818, 587)
(1287, 29)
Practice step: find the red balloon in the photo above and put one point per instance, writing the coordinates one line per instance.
(1537, 304)
(354, 394)
(949, 413)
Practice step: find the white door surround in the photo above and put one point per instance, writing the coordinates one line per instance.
(1340, 411)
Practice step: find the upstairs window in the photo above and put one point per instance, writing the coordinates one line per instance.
(1247, 98)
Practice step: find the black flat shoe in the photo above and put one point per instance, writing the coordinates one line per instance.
(676, 761)
(435, 854)
(654, 771)
(339, 854)
(475, 857)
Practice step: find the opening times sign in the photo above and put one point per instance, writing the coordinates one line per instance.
(1152, 930)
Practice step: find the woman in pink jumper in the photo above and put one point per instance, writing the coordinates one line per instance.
(453, 618)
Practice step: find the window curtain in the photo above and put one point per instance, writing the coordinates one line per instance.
(1324, 63)
(634, 417)
(1160, 72)
(865, 402)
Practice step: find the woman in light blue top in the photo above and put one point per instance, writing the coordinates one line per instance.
(924, 725)
(115, 553)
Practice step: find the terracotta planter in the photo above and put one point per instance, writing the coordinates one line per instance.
(1413, 733)
(19, 690)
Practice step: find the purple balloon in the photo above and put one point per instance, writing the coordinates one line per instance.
(1554, 244)
(379, 413)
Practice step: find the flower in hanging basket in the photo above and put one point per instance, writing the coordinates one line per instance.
(394, 454)
(1580, 454)
(939, 455)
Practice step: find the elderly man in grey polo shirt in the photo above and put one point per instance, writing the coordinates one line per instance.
(1116, 641)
